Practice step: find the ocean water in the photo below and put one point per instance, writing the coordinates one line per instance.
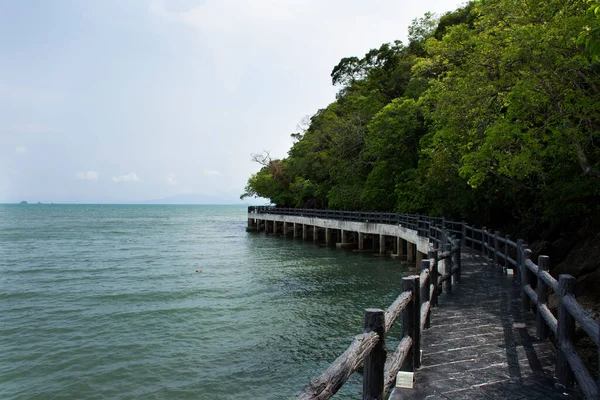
(104, 302)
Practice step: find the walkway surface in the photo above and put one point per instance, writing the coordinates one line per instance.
(480, 345)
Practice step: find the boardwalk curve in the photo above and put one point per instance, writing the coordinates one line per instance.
(482, 346)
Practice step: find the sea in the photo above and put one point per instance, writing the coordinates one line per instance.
(174, 302)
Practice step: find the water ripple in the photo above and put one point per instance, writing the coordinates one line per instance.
(105, 302)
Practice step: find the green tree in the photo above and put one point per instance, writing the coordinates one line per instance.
(490, 113)
(392, 148)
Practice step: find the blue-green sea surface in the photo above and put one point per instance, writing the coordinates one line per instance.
(104, 302)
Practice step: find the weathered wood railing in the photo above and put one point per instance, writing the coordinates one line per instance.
(411, 221)
(535, 281)
(414, 304)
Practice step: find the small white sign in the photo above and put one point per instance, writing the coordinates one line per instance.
(405, 379)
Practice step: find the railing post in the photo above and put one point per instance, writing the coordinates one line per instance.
(463, 238)
(447, 285)
(452, 259)
(484, 242)
(488, 239)
(425, 292)
(525, 301)
(506, 253)
(541, 329)
(417, 332)
(374, 363)
(565, 331)
(496, 247)
(491, 246)
(518, 259)
(433, 277)
(411, 324)
(457, 262)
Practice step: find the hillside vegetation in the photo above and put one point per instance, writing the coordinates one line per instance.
(490, 114)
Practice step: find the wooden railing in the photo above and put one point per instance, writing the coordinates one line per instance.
(414, 222)
(535, 283)
(414, 304)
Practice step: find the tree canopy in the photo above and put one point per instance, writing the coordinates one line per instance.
(490, 112)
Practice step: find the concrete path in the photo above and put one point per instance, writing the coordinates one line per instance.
(477, 346)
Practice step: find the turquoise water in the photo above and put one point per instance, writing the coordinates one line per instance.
(103, 301)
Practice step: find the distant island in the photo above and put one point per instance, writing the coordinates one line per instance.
(23, 202)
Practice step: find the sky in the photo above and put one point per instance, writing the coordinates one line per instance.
(165, 100)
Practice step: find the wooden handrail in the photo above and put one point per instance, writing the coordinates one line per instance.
(414, 305)
(583, 318)
(330, 381)
(395, 309)
(394, 362)
(543, 275)
(585, 380)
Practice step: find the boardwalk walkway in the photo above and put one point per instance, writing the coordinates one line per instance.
(477, 346)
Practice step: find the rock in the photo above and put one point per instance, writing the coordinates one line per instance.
(23, 202)
(588, 284)
(583, 259)
(539, 247)
(561, 247)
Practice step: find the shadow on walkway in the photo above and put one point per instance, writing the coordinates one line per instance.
(481, 346)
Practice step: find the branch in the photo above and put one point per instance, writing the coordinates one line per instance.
(263, 158)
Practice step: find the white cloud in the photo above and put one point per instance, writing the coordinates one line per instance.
(211, 172)
(130, 177)
(171, 179)
(87, 175)
(21, 150)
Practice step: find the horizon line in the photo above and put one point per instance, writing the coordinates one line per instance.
(126, 204)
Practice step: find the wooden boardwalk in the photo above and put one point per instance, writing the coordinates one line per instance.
(481, 346)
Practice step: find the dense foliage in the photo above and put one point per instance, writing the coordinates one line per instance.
(491, 112)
